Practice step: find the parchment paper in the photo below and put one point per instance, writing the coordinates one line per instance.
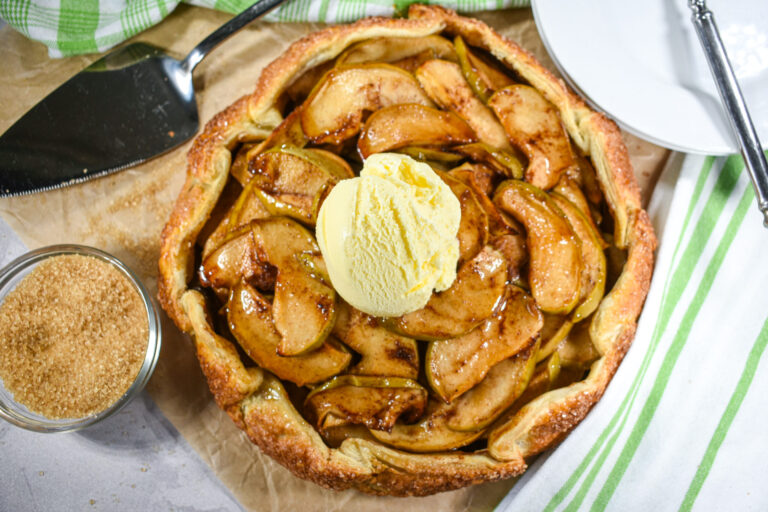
(124, 214)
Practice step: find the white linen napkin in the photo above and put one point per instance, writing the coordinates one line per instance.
(684, 423)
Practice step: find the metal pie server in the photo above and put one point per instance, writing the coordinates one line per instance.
(735, 107)
(131, 105)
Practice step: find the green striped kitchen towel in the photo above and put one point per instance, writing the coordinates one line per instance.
(71, 27)
(682, 426)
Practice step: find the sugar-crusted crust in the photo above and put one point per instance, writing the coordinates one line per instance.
(257, 401)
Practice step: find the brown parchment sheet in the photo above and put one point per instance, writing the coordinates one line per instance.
(124, 214)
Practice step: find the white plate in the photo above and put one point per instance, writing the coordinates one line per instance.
(642, 63)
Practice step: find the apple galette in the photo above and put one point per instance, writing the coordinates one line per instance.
(553, 263)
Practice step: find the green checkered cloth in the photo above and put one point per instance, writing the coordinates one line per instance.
(72, 27)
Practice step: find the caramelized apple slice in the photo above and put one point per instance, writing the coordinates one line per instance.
(334, 110)
(504, 383)
(411, 125)
(512, 246)
(291, 181)
(501, 161)
(335, 435)
(248, 207)
(555, 330)
(434, 157)
(473, 296)
(484, 77)
(456, 365)
(304, 306)
(594, 270)
(303, 85)
(533, 124)
(585, 177)
(479, 177)
(445, 84)
(289, 132)
(569, 188)
(376, 402)
(399, 51)
(383, 352)
(314, 264)
(430, 434)
(554, 272)
(578, 351)
(337, 166)
(471, 175)
(473, 226)
(504, 233)
(239, 167)
(236, 259)
(249, 316)
(545, 377)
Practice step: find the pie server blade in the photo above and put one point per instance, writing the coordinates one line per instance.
(101, 120)
(133, 104)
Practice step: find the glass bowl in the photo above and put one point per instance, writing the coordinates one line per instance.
(11, 275)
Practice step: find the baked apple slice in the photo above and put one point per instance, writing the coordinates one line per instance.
(248, 207)
(314, 264)
(376, 402)
(512, 246)
(249, 316)
(445, 84)
(472, 175)
(555, 265)
(302, 85)
(289, 133)
(593, 272)
(292, 181)
(411, 125)
(504, 233)
(430, 434)
(583, 174)
(234, 260)
(334, 436)
(484, 77)
(501, 161)
(406, 52)
(477, 175)
(545, 376)
(472, 298)
(333, 112)
(304, 306)
(504, 383)
(239, 168)
(473, 226)
(578, 351)
(569, 188)
(533, 124)
(455, 366)
(383, 352)
(556, 329)
(434, 157)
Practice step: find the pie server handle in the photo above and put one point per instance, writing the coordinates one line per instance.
(735, 108)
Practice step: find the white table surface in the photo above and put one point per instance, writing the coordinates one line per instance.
(134, 460)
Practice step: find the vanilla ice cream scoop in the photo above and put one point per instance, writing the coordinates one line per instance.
(388, 237)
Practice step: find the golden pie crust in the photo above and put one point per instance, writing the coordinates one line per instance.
(257, 401)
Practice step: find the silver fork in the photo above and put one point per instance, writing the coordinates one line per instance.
(735, 108)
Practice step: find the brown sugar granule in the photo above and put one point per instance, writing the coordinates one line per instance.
(73, 335)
